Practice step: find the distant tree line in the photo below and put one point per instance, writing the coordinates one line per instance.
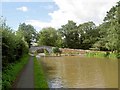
(70, 36)
(105, 37)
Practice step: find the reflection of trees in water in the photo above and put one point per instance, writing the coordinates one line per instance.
(48, 68)
(80, 72)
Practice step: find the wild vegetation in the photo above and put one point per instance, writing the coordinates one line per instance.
(87, 36)
(15, 47)
(56, 51)
(101, 54)
(40, 80)
(105, 37)
(11, 71)
(15, 44)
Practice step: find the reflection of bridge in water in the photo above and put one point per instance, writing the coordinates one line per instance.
(34, 48)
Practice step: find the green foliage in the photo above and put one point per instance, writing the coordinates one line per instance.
(82, 36)
(89, 34)
(11, 71)
(49, 37)
(70, 35)
(28, 32)
(13, 46)
(40, 80)
(105, 37)
(1, 80)
(118, 55)
(59, 41)
(46, 52)
(96, 54)
(101, 54)
(113, 31)
(110, 31)
(56, 50)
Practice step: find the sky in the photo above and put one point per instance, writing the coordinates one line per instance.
(54, 13)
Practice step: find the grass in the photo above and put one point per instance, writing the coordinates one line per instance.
(0, 80)
(113, 56)
(101, 55)
(39, 77)
(10, 73)
(95, 54)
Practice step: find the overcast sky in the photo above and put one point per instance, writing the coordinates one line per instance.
(54, 13)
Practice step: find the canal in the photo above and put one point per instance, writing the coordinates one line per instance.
(80, 72)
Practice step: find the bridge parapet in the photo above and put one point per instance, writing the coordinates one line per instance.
(34, 48)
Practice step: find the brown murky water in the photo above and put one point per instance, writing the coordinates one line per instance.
(80, 72)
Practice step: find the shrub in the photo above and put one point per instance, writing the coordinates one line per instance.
(13, 46)
(56, 50)
(118, 55)
(107, 54)
(46, 52)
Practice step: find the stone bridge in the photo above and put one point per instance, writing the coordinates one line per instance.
(34, 48)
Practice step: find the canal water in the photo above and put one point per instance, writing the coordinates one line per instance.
(80, 72)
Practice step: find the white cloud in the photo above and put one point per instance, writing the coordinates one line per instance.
(82, 10)
(39, 24)
(79, 11)
(23, 8)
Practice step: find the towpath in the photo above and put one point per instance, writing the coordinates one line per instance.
(26, 78)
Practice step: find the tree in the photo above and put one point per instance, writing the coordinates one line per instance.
(113, 37)
(88, 34)
(70, 35)
(82, 36)
(101, 42)
(13, 47)
(28, 32)
(59, 41)
(48, 36)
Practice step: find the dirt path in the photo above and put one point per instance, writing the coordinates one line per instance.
(26, 79)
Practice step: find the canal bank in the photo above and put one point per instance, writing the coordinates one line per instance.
(39, 76)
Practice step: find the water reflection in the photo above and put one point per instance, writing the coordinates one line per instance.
(80, 72)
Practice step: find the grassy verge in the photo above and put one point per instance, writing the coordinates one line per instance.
(39, 77)
(101, 55)
(0, 80)
(10, 73)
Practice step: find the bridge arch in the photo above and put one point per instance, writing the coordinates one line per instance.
(34, 48)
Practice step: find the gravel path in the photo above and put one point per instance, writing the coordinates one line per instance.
(26, 79)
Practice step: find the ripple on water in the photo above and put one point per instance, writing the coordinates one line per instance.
(56, 83)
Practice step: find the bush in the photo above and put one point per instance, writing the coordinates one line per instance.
(96, 54)
(46, 52)
(107, 54)
(118, 55)
(13, 46)
(56, 50)
(103, 54)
